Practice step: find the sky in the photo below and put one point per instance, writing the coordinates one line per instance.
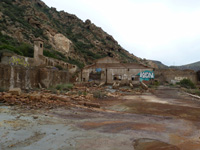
(163, 30)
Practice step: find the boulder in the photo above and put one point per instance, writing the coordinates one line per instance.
(15, 91)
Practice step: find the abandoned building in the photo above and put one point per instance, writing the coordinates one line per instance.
(173, 76)
(38, 60)
(28, 73)
(110, 70)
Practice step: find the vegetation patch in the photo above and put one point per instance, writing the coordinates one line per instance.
(64, 87)
(187, 83)
(75, 62)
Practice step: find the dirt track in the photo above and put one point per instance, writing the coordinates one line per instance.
(168, 118)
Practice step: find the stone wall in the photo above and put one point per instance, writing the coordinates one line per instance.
(30, 77)
(174, 75)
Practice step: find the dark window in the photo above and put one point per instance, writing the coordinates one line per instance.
(135, 78)
(117, 77)
(83, 79)
(41, 45)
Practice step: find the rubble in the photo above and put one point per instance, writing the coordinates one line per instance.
(84, 95)
(45, 99)
(116, 85)
(144, 86)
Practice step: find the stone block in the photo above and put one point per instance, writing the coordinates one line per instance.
(15, 91)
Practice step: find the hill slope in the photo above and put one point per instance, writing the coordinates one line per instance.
(193, 66)
(160, 64)
(66, 37)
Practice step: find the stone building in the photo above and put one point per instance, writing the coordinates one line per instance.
(110, 70)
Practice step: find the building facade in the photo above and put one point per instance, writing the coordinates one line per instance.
(110, 70)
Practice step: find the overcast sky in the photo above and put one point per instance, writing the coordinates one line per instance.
(164, 30)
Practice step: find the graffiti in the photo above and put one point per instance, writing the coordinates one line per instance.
(14, 60)
(180, 78)
(98, 69)
(146, 75)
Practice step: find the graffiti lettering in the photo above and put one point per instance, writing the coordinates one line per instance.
(14, 60)
(146, 75)
(180, 78)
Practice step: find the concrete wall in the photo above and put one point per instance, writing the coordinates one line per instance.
(30, 77)
(173, 75)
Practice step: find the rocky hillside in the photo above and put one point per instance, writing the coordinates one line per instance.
(160, 64)
(66, 37)
(194, 66)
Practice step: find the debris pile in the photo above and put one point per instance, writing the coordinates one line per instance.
(47, 100)
(78, 96)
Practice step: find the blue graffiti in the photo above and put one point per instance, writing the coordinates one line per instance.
(146, 75)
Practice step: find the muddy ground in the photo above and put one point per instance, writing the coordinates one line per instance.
(166, 119)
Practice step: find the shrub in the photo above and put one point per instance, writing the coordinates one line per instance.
(187, 83)
(10, 48)
(64, 87)
(26, 50)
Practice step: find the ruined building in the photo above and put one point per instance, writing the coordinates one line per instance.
(174, 76)
(37, 72)
(38, 60)
(110, 70)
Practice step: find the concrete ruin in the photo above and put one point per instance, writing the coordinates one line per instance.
(110, 70)
(38, 72)
(173, 76)
(39, 59)
(31, 77)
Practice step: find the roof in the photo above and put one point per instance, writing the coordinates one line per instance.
(117, 66)
(38, 39)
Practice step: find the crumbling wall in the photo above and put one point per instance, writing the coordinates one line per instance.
(174, 75)
(30, 77)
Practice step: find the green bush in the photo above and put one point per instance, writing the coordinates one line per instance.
(23, 49)
(10, 48)
(55, 54)
(187, 83)
(64, 87)
(26, 50)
